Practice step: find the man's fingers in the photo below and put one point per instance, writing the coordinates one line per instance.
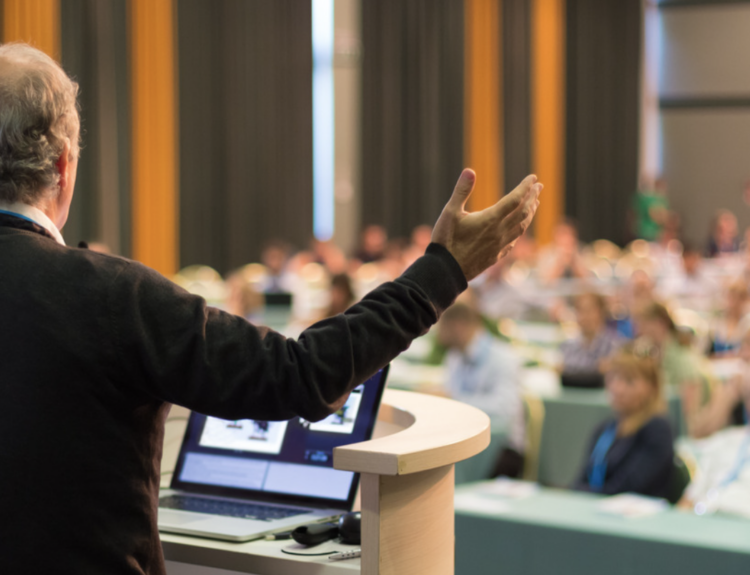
(462, 191)
(523, 193)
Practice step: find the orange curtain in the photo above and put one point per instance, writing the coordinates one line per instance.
(36, 22)
(483, 139)
(154, 139)
(548, 111)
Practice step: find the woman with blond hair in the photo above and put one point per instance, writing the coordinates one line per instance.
(632, 452)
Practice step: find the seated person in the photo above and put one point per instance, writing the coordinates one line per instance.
(721, 483)
(497, 297)
(724, 238)
(679, 364)
(635, 296)
(631, 453)
(483, 371)
(728, 328)
(722, 480)
(275, 256)
(562, 259)
(691, 286)
(342, 295)
(728, 402)
(373, 244)
(586, 353)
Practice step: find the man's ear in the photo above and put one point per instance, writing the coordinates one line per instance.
(63, 165)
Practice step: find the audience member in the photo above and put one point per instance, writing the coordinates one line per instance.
(497, 297)
(275, 256)
(243, 299)
(680, 365)
(631, 453)
(342, 295)
(692, 287)
(325, 253)
(587, 353)
(727, 329)
(420, 239)
(630, 302)
(562, 258)
(728, 401)
(651, 208)
(724, 238)
(373, 244)
(722, 480)
(484, 371)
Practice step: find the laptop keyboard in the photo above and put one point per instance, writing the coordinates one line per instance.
(228, 508)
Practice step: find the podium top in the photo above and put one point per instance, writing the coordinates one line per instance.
(434, 431)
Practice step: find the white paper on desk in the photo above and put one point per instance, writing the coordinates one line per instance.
(632, 506)
(476, 503)
(509, 488)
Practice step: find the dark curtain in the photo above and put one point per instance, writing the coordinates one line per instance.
(603, 100)
(94, 53)
(516, 90)
(412, 110)
(245, 128)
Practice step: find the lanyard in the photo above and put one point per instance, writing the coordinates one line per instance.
(743, 456)
(15, 215)
(599, 457)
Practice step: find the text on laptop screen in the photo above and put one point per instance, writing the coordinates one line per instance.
(293, 457)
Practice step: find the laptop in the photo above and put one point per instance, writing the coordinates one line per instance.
(242, 480)
(582, 380)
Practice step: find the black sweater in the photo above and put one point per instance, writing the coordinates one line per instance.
(94, 349)
(639, 463)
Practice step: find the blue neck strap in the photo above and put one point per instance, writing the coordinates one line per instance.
(599, 457)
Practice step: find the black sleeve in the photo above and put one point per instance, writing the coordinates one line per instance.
(174, 348)
(651, 457)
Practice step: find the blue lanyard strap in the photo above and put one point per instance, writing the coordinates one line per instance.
(599, 457)
(15, 215)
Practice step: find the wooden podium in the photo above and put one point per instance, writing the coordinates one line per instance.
(408, 481)
(406, 498)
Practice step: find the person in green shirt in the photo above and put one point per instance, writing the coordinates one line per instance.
(651, 208)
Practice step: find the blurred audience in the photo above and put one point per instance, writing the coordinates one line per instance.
(372, 244)
(729, 402)
(342, 295)
(588, 352)
(632, 452)
(724, 237)
(275, 256)
(651, 209)
(497, 296)
(680, 365)
(722, 480)
(562, 259)
(728, 329)
(691, 285)
(485, 372)
(421, 237)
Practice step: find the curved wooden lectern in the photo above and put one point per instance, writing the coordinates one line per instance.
(408, 481)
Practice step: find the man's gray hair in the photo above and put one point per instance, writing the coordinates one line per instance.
(38, 115)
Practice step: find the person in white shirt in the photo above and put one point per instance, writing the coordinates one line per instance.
(483, 371)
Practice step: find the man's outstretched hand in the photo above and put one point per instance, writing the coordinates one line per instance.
(478, 239)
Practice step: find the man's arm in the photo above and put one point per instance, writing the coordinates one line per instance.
(173, 347)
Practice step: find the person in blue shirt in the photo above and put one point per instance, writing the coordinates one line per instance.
(633, 451)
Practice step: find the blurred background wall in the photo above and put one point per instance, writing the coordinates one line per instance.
(198, 114)
(704, 101)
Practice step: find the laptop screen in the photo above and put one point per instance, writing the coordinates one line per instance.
(279, 461)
